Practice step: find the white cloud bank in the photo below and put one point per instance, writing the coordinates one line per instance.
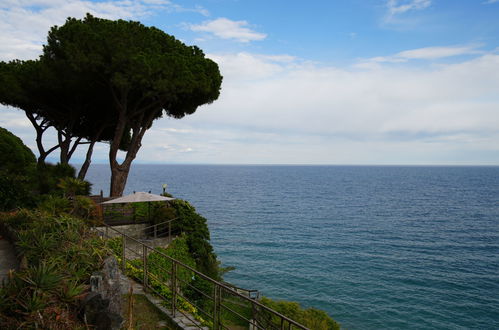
(225, 28)
(291, 112)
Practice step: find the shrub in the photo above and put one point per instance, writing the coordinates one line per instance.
(312, 318)
(198, 236)
(178, 250)
(54, 206)
(61, 253)
(189, 222)
(15, 157)
(73, 186)
(17, 169)
(85, 208)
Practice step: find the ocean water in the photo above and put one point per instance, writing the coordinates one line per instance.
(375, 247)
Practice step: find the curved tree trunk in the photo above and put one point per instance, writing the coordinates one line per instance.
(119, 172)
(40, 128)
(86, 164)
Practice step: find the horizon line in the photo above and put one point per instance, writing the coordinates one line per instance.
(306, 164)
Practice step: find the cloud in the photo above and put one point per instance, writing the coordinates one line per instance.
(285, 110)
(251, 66)
(426, 53)
(294, 112)
(399, 7)
(490, 2)
(24, 23)
(225, 28)
(176, 130)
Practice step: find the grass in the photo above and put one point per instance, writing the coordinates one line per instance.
(145, 315)
(232, 320)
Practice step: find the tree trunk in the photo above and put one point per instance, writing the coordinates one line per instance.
(119, 176)
(40, 129)
(84, 167)
(64, 143)
(119, 172)
(41, 158)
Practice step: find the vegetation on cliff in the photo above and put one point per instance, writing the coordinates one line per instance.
(59, 253)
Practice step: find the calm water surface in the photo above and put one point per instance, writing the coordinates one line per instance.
(376, 247)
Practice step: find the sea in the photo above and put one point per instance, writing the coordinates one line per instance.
(376, 247)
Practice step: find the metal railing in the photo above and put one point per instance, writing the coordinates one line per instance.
(205, 302)
(156, 230)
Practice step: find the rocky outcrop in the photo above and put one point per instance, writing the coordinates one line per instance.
(103, 306)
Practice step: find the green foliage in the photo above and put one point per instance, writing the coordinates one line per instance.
(177, 250)
(73, 186)
(60, 252)
(312, 318)
(136, 71)
(142, 62)
(15, 191)
(156, 212)
(115, 245)
(85, 208)
(54, 206)
(49, 176)
(159, 281)
(15, 157)
(60, 238)
(189, 222)
(198, 236)
(17, 168)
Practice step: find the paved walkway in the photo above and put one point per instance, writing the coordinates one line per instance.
(8, 259)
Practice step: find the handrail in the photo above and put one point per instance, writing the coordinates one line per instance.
(161, 223)
(144, 229)
(217, 285)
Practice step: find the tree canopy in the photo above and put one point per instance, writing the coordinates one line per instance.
(139, 72)
(105, 80)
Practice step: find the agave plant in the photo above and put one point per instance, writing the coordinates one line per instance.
(43, 277)
(70, 291)
(72, 187)
(34, 302)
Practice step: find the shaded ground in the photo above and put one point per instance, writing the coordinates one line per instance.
(145, 314)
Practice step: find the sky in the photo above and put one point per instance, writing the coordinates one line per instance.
(367, 82)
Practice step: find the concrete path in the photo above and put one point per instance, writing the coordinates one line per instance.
(8, 259)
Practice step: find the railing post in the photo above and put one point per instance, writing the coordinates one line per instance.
(155, 231)
(253, 317)
(174, 286)
(217, 298)
(123, 253)
(215, 306)
(144, 263)
(170, 231)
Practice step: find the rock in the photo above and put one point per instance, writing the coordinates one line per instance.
(103, 306)
(96, 312)
(110, 286)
